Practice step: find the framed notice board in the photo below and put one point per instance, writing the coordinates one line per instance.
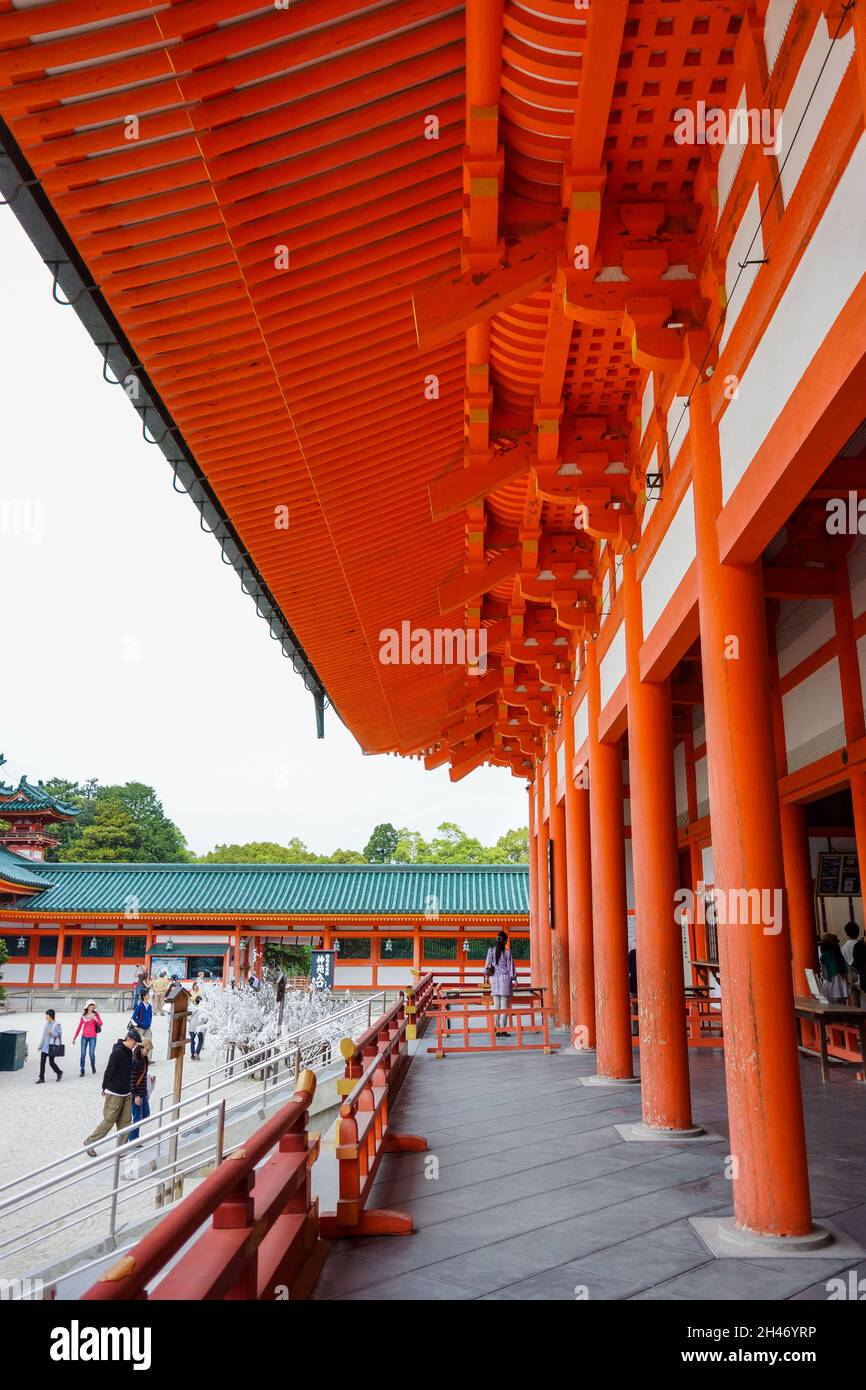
(838, 875)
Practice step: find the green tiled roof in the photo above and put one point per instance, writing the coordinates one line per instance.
(14, 868)
(332, 890)
(26, 797)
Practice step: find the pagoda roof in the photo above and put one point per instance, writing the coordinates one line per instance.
(331, 890)
(27, 797)
(17, 870)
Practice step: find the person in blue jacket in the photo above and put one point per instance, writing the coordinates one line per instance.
(142, 1015)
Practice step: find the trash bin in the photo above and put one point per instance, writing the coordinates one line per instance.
(12, 1051)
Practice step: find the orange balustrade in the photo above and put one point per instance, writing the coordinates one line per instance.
(263, 1241)
(472, 1028)
(375, 1067)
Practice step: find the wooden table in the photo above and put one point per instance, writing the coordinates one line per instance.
(822, 1015)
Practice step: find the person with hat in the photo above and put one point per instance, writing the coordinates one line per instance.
(89, 1026)
(117, 1089)
(834, 971)
(160, 989)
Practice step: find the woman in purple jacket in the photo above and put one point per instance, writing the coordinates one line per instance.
(500, 970)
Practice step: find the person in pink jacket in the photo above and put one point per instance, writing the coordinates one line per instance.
(89, 1026)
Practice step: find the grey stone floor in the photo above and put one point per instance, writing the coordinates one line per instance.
(537, 1197)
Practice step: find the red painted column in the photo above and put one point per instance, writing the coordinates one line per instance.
(545, 955)
(609, 904)
(664, 1059)
(58, 959)
(534, 945)
(796, 863)
(559, 933)
(579, 880)
(770, 1178)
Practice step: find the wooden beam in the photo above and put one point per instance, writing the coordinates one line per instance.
(804, 582)
(461, 588)
(446, 306)
(457, 490)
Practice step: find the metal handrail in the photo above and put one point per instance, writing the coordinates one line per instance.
(152, 1133)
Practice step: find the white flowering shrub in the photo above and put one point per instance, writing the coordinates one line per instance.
(248, 1019)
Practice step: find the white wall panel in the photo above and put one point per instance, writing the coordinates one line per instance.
(813, 717)
(857, 576)
(44, 975)
(16, 972)
(395, 975)
(730, 160)
(88, 973)
(831, 266)
(793, 154)
(776, 21)
(677, 425)
(647, 404)
(803, 627)
(581, 724)
(680, 779)
(613, 665)
(668, 566)
(703, 786)
(750, 223)
(353, 975)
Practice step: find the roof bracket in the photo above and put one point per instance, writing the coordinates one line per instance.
(106, 349)
(22, 183)
(167, 431)
(54, 267)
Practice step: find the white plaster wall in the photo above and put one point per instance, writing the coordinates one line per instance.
(861, 661)
(613, 665)
(646, 405)
(680, 779)
(668, 566)
(776, 22)
(707, 864)
(730, 159)
(813, 717)
(395, 975)
(581, 724)
(17, 972)
(560, 763)
(353, 975)
(699, 726)
(88, 973)
(793, 154)
(655, 495)
(44, 974)
(703, 786)
(832, 264)
(857, 576)
(743, 280)
(803, 627)
(677, 425)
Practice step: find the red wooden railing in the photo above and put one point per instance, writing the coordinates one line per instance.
(375, 1067)
(263, 1241)
(468, 1024)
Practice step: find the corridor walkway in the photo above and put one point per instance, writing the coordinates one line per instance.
(537, 1197)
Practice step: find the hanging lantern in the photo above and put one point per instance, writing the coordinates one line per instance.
(93, 943)
(389, 945)
(337, 944)
(22, 943)
(465, 946)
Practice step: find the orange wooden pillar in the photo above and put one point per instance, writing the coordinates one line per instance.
(796, 863)
(581, 983)
(609, 904)
(545, 957)
(664, 1053)
(799, 893)
(533, 887)
(559, 898)
(770, 1174)
(58, 959)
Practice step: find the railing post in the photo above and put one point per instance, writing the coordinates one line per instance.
(115, 1184)
(221, 1133)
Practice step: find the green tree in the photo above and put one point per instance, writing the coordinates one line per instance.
(288, 960)
(381, 845)
(411, 848)
(110, 836)
(514, 845)
(347, 856)
(261, 852)
(127, 823)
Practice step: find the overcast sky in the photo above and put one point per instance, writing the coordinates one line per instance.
(129, 650)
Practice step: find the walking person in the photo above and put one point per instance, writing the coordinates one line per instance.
(140, 1093)
(160, 989)
(142, 1015)
(116, 1088)
(89, 1026)
(500, 970)
(51, 1046)
(197, 1028)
